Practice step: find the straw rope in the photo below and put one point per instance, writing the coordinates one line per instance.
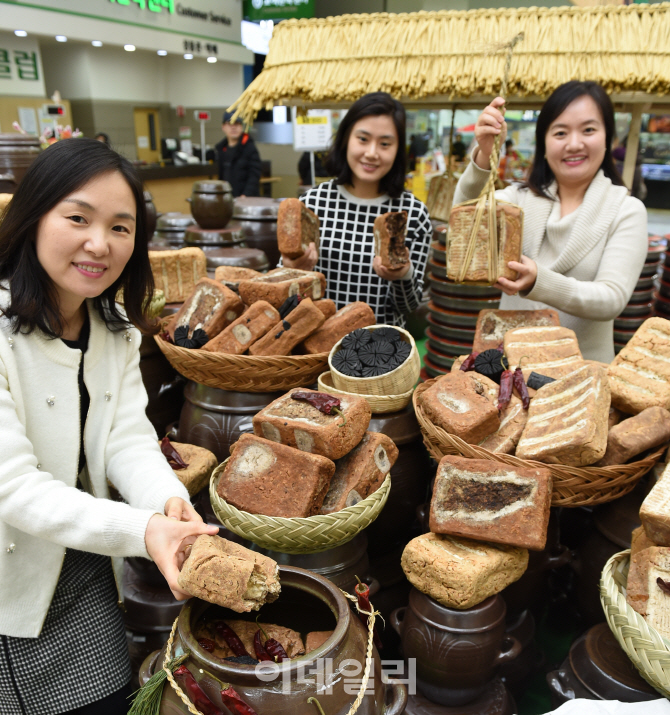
(457, 54)
(571, 486)
(647, 649)
(298, 535)
(372, 615)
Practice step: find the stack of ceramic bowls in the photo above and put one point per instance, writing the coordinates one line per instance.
(452, 311)
(662, 282)
(640, 306)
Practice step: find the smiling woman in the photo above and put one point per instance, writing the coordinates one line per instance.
(584, 237)
(72, 417)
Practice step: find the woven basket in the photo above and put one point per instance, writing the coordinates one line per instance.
(299, 535)
(396, 382)
(643, 644)
(378, 403)
(244, 373)
(572, 486)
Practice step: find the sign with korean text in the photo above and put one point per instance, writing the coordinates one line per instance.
(277, 9)
(20, 67)
(313, 130)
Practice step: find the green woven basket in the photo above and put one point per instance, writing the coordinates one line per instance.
(299, 535)
(645, 646)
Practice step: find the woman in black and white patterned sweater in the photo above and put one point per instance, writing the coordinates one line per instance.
(368, 160)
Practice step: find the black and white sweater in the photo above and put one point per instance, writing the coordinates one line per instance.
(347, 248)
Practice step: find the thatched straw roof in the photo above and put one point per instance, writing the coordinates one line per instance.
(457, 54)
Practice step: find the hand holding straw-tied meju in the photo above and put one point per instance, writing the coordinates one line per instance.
(485, 234)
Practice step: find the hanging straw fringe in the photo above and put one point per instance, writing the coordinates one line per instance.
(148, 698)
(447, 53)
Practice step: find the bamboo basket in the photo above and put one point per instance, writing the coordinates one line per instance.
(572, 486)
(299, 535)
(379, 404)
(244, 373)
(396, 382)
(648, 650)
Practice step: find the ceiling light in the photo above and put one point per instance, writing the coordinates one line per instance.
(162, 53)
(61, 38)
(96, 43)
(188, 56)
(211, 60)
(20, 33)
(129, 48)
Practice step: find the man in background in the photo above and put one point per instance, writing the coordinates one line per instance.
(238, 159)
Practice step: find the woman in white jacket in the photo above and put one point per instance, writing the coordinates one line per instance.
(584, 237)
(72, 416)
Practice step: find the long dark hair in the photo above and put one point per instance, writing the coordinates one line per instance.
(373, 104)
(541, 175)
(56, 173)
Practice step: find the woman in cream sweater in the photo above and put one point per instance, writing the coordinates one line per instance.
(72, 416)
(584, 237)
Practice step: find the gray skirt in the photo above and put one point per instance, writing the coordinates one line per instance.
(80, 656)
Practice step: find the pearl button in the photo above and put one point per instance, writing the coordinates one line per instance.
(39, 466)
(127, 337)
(51, 400)
(11, 548)
(108, 396)
(11, 342)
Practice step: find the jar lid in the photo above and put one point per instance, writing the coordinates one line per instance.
(604, 669)
(174, 219)
(212, 187)
(256, 207)
(197, 236)
(235, 257)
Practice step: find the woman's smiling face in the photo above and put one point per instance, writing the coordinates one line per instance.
(85, 241)
(372, 148)
(576, 142)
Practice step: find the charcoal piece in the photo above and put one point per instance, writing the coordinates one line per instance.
(197, 340)
(402, 352)
(389, 334)
(491, 363)
(357, 339)
(346, 361)
(535, 381)
(242, 659)
(377, 353)
(374, 370)
(353, 371)
(285, 324)
(288, 305)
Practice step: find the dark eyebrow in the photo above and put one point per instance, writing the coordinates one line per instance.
(367, 134)
(593, 120)
(88, 206)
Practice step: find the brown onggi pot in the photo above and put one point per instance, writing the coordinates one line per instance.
(457, 652)
(258, 217)
(212, 203)
(307, 602)
(410, 477)
(215, 419)
(17, 153)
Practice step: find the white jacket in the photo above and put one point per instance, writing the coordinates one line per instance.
(41, 510)
(587, 263)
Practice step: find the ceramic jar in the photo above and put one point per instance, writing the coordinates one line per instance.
(150, 213)
(171, 228)
(215, 419)
(495, 700)
(236, 257)
(17, 153)
(307, 602)
(257, 215)
(457, 652)
(212, 203)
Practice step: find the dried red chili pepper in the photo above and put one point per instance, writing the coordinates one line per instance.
(167, 337)
(173, 457)
(506, 386)
(276, 650)
(469, 363)
(207, 644)
(235, 704)
(362, 591)
(259, 648)
(327, 404)
(195, 693)
(520, 384)
(232, 639)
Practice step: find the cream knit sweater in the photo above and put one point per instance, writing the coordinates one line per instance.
(41, 510)
(587, 262)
